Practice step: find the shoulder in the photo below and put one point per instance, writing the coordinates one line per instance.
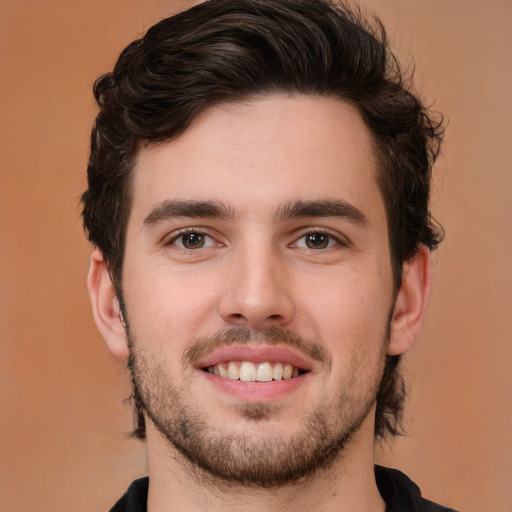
(401, 494)
(135, 498)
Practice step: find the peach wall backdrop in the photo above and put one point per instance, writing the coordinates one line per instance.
(62, 418)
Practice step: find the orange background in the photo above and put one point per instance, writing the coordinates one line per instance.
(62, 418)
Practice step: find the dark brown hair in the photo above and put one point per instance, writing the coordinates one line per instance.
(232, 50)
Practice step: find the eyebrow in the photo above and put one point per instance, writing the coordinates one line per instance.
(169, 209)
(327, 208)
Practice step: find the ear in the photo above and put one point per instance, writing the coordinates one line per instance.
(105, 306)
(411, 302)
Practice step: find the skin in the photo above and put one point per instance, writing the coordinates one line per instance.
(256, 271)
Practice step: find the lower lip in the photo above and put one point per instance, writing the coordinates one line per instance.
(256, 391)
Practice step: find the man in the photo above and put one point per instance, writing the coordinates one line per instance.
(258, 201)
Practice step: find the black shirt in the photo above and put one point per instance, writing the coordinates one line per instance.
(399, 492)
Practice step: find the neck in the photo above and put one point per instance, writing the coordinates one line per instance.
(347, 485)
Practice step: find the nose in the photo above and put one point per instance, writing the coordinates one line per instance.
(258, 290)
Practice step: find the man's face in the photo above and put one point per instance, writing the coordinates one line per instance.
(257, 246)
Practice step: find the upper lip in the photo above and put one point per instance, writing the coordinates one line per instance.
(255, 354)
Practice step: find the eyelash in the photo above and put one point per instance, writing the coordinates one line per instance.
(172, 241)
(311, 231)
(325, 232)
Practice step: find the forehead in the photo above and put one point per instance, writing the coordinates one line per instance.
(263, 152)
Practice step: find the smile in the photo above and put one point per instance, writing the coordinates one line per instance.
(247, 371)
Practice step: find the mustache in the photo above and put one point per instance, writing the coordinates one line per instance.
(241, 335)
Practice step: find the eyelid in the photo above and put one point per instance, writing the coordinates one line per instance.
(171, 238)
(340, 239)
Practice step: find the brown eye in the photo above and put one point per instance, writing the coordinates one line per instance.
(317, 240)
(193, 240)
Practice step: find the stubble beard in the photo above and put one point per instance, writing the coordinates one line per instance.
(234, 458)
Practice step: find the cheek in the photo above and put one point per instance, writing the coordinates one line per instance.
(164, 306)
(350, 318)
(348, 302)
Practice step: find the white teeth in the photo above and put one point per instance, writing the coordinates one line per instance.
(250, 372)
(265, 372)
(278, 371)
(247, 372)
(223, 371)
(233, 371)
